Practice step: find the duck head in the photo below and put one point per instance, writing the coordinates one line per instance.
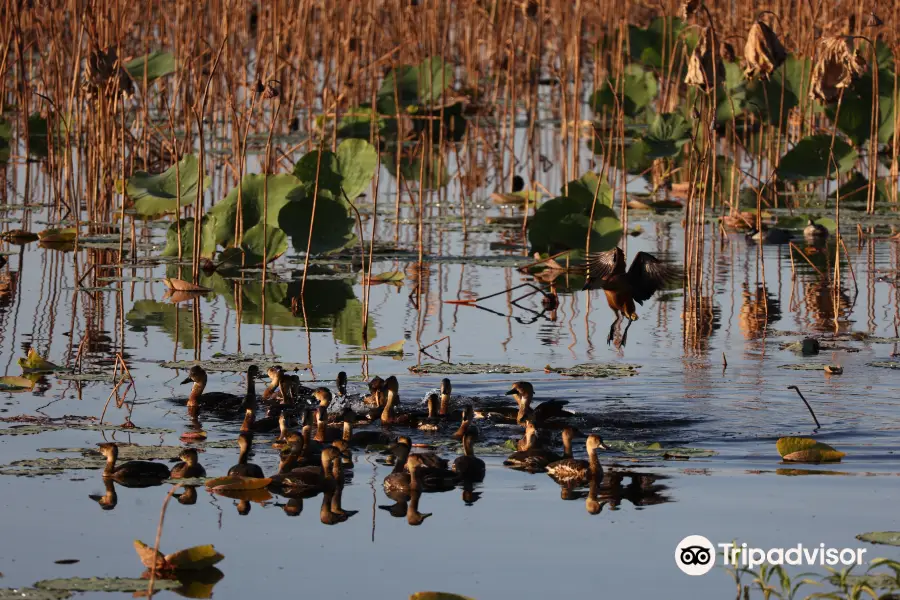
(197, 375)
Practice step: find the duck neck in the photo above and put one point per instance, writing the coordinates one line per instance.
(594, 462)
(251, 390)
(320, 430)
(445, 405)
(196, 393)
(288, 463)
(387, 415)
(414, 483)
(524, 403)
(249, 419)
(401, 456)
(463, 428)
(348, 431)
(567, 446)
(467, 446)
(307, 432)
(244, 454)
(110, 467)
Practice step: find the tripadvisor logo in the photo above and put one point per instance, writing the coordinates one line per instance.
(696, 555)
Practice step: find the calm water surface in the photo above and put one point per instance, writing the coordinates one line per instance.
(519, 536)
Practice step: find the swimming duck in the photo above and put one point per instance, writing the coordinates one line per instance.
(189, 465)
(325, 433)
(523, 392)
(769, 235)
(267, 424)
(534, 458)
(389, 414)
(312, 477)
(341, 384)
(243, 468)
(466, 426)
(219, 400)
(361, 439)
(133, 469)
(468, 466)
(376, 397)
(428, 479)
(646, 275)
(432, 421)
(815, 231)
(430, 459)
(276, 374)
(573, 471)
(446, 411)
(527, 440)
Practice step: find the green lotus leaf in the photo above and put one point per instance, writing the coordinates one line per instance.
(810, 158)
(155, 195)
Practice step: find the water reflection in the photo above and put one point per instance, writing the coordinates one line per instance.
(759, 310)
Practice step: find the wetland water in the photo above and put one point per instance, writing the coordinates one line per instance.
(515, 532)
(432, 109)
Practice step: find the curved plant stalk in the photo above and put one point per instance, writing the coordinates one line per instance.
(312, 222)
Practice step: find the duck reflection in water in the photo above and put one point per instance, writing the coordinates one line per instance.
(642, 489)
(109, 498)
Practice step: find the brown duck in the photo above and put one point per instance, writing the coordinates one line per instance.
(646, 275)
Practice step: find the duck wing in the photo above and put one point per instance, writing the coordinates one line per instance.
(647, 274)
(601, 266)
(550, 409)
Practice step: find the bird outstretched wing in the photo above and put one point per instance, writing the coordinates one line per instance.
(647, 274)
(601, 265)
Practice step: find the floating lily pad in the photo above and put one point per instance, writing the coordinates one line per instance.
(388, 277)
(104, 584)
(126, 452)
(158, 194)
(235, 363)
(884, 364)
(889, 538)
(802, 367)
(29, 429)
(465, 369)
(35, 363)
(394, 349)
(13, 383)
(656, 449)
(195, 558)
(797, 449)
(33, 594)
(92, 376)
(595, 370)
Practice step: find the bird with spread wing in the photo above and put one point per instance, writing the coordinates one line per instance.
(647, 275)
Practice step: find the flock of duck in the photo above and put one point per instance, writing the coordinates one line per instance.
(316, 445)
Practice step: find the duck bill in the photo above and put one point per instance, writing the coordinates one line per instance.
(602, 446)
(511, 392)
(186, 380)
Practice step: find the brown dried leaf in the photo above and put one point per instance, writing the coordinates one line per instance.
(763, 52)
(837, 67)
(705, 65)
(149, 557)
(688, 8)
